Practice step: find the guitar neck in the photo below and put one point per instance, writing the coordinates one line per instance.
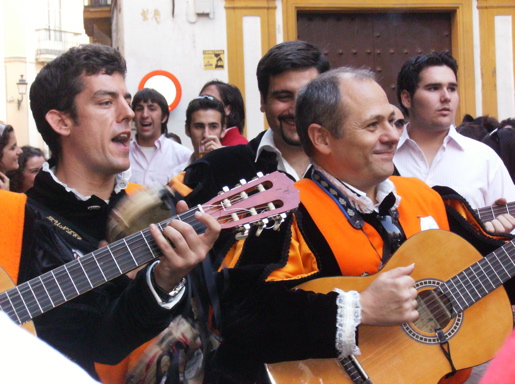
(489, 213)
(38, 295)
(481, 278)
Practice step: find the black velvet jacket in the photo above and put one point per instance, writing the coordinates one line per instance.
(106, 323)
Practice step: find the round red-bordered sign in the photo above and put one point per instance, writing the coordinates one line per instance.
(166, 84)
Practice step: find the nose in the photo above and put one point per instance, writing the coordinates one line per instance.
(391, 134)
(18, 150)
(126, 112)
(446, 96)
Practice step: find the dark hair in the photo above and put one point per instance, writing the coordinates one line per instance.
(409, 75)
(285, 56)
(231, 96)
(149, 95)
(61, 80)
(320, 102)
(204, 103)
(16, 177)
(5, 136)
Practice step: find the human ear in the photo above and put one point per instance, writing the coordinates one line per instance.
(60, 122)
(406, 99)
(187, 130)
(319, 137)
(262, 109)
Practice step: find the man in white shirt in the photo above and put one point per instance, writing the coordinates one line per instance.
(431, 149)
(153, 157)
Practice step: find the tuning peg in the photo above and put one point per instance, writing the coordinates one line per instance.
(243, 233)
(224, 189)
(258, 175)
(279, 221)
(261, 226)
(243, 181)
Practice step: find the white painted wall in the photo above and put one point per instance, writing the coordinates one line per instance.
(171, 43)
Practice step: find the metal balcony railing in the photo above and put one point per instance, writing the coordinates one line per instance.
(53, 42)
(97, 3)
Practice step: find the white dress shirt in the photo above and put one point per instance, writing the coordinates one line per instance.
(468, 166)
(267, 144)
(158, 169)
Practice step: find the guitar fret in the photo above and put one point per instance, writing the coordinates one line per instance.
(467, 294)
(477, 284)
(100, 268)
(46, 291)
(114, 259)
(493, 271)
(71, 278)
(130, 253)
(85, 273)
(485, 274)
(508, 258)
(108, 264)
(454, 296)
(148, 245)
(477, 296)
(30, 302)
(78, 277)
(12, 305)
(58, 286)
(35, 297)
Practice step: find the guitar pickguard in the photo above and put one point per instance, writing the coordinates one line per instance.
(435, 313)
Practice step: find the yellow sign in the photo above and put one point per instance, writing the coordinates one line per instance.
(214, 60)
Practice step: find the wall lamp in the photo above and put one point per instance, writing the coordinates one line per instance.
(22, 89)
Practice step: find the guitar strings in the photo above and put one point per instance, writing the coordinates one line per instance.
(491, 212)
(475, 277)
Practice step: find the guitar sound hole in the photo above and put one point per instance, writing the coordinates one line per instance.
(434, 309)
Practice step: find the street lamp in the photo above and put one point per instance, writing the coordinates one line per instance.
(22, 89)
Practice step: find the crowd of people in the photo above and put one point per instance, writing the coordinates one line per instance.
(213, 308)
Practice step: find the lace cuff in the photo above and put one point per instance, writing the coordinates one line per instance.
(348, 318)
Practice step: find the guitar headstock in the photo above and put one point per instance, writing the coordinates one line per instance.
(263, 201)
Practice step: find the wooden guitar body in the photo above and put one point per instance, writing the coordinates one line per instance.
(411, 354)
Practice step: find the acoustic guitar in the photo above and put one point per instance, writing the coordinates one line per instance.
(461, 301)
(262, 202)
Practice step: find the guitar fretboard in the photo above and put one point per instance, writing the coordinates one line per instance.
(72, 279)
(490, 213)
(481, 278)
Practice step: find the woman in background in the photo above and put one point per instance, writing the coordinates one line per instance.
(9, 153)
(31, 161)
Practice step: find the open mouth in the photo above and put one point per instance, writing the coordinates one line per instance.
(123, 138)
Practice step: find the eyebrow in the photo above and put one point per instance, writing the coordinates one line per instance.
(439, 84)
(281, 92)
(102, 93)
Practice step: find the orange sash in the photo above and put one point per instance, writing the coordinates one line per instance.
(357, 251)
(11, 231)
